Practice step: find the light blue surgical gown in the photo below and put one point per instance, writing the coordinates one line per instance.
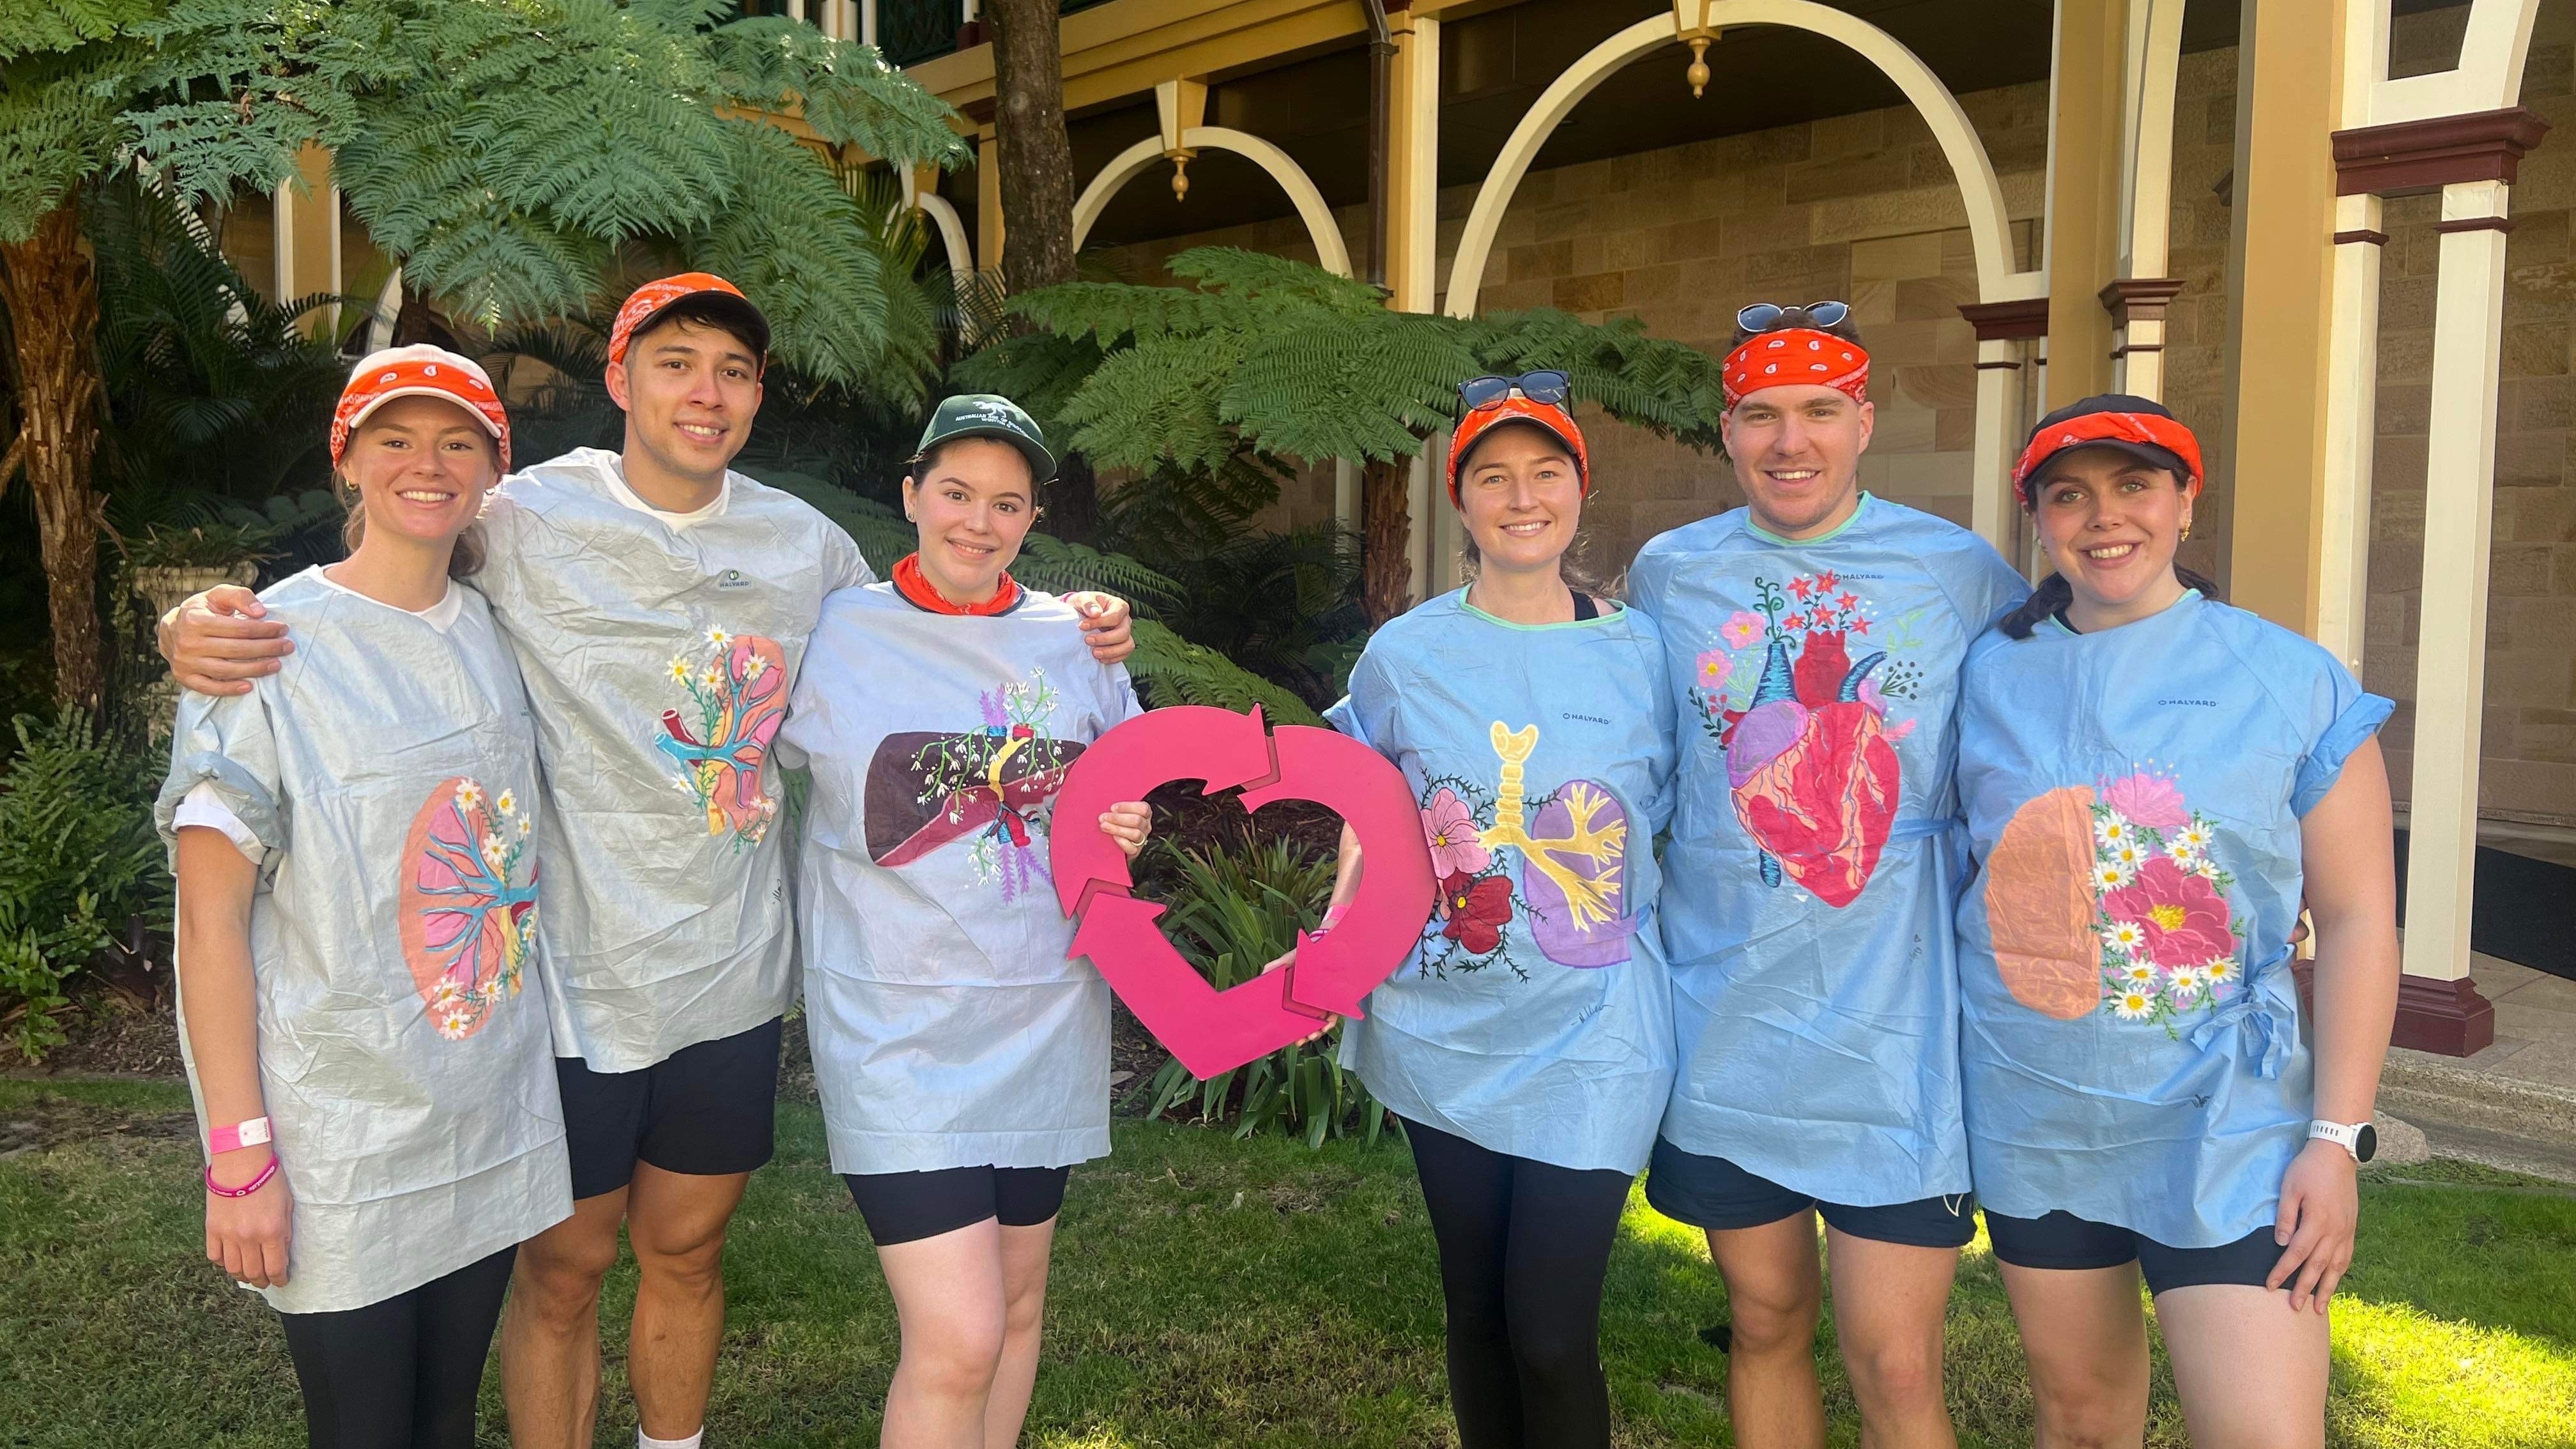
(2130, 1024)
(1815, 855)
(1533, 1017)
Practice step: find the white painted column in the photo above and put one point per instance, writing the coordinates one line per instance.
(2352, 390)
(867, 22)
(1346, 495)
(2459, 508)
(795, 9)
(1993, 511)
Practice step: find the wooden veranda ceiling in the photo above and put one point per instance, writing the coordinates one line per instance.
(1494, 65)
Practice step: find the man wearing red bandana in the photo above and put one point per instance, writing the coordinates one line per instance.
(1816, 636)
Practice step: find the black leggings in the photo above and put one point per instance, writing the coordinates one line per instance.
(402, 1373)
(1524, 1248)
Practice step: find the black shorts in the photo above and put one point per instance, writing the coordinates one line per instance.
(2063, 1240)
(706, 1110)
(905, 1207)
(1714, 1194)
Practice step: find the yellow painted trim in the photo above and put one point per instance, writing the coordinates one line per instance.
(2083, 208)
(1129, 46)
(2289, 95)
(988, 203)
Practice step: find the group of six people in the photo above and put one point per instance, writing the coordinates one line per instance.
(1833, 873)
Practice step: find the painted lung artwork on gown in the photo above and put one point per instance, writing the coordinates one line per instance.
(737, 697)
(1572, 848)
(468, 902)
(1797, 698)
(992, 786)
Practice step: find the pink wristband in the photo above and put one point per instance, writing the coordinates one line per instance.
(246, 1189)
(239, 1135)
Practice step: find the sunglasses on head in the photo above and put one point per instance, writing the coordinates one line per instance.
(1770, 316)
(1545, 386)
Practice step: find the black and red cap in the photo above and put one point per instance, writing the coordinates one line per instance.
(2140, 427)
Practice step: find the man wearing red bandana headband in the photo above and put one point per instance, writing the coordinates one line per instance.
(1816, 635)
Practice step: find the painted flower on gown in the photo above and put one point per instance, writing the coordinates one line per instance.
(2182, 920)
(1450, 828)
(1477, 911)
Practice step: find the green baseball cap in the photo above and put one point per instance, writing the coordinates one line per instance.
(989, 415)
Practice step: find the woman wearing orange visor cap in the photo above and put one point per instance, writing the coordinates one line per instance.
(1527, 1042)
(355, 841)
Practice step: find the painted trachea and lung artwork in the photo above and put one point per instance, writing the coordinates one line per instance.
(737, 696)
(469, 902)
(993, 785)
(1794, 696)
(1571, 846)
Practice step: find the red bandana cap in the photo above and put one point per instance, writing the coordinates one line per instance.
(654, 298)
(1518, 409)
(2140, 427)
(1795, 357)
(418, 371)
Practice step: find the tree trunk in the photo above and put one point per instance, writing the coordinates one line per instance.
(1073, 501)
(51, 291)
(1036, 155)
(1386, 573)
(1037, 197)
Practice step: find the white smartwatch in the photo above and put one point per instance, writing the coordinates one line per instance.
(2358, 1138)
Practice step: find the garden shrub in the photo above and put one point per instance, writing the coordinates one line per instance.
(1233, 910)
(78, 859)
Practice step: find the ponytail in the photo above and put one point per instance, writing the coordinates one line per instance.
(2054, 593)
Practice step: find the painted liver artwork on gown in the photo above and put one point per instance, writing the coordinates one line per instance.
(1797, 697)
(991, 786)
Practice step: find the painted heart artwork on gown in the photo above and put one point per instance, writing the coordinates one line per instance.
(1811, 756)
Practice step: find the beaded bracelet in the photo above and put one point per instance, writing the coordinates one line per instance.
(246, 1189)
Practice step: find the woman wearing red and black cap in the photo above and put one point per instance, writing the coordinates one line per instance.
(2153, 781)
(1527, 1042)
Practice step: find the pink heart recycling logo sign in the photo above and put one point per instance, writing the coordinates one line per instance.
(1212, 1031)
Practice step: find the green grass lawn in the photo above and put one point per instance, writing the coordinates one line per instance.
(1207, 1292)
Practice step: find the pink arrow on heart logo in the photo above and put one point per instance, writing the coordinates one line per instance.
(1212, 1031)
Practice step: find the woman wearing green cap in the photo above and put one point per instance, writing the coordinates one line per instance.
(963, 1061)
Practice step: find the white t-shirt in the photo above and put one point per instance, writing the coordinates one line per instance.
(204, 806)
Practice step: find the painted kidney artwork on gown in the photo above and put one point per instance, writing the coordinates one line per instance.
(468, 902)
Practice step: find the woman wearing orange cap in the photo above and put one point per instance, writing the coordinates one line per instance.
(1527, 1042)
(2153, 781)
(354, 841)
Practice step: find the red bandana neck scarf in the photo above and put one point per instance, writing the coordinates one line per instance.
(2147, 428)
(1797, 356)
(915, 587)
